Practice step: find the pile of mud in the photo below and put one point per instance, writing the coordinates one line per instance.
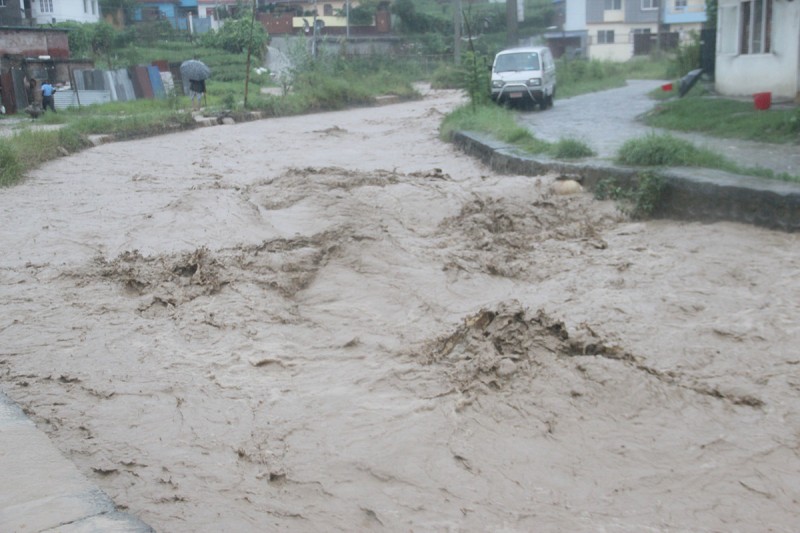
(493, 347)
(501, 236)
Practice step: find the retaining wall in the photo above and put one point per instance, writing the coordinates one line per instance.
(689, 193)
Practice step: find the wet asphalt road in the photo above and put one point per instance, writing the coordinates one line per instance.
(605, 120)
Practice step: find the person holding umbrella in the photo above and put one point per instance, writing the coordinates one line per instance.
(197, 73)
(197, 88)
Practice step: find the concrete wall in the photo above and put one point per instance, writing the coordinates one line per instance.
(745, 74)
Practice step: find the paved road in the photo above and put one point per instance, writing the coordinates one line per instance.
(606, 119)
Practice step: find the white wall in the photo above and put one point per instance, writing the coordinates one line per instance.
(576, 15)
(777, 71)
(622, 47)
(66, 10)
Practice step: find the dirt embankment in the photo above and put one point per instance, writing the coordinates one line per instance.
(339, 322)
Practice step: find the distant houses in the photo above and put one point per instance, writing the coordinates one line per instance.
(36, 12)
(618, 30)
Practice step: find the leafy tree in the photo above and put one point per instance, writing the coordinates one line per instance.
(234, 36)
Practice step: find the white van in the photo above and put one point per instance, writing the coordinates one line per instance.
(525, 75)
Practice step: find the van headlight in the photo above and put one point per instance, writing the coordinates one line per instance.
(534, 82)
(496, 84)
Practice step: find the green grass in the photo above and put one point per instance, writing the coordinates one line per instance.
(499, 123)
(579, 76)
(664, 150)
(721, 117)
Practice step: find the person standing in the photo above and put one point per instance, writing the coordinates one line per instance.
(197, 88)
(47, 97)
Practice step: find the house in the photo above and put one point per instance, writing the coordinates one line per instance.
(298, 16)
(52, 11)
(569, 35)
(32, 12)
(758, 48)
(31, 54)
(181, 14)
(14, 13)
(684, 17)
(619, 29)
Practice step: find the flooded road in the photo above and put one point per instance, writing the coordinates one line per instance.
(338, 322)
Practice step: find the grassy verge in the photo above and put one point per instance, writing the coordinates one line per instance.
(726, 118)
(668, 151)
(499, 123)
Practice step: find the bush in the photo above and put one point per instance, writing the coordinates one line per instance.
(666, 150)
(571, 149)
(687, 57)
(639, 201)
(235, 35)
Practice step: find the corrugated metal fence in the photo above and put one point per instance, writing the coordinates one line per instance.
(91, 86)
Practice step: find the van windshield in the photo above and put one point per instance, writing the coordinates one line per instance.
(517, 61)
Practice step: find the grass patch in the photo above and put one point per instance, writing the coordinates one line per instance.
(579, 76)
(499, 123)
(667, 151)
(571, 149)
(721, 117)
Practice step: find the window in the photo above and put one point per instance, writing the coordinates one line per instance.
(85, 6)
(680, 4)
(613, 5)
(2, 3)
(46, 6)
(639, 31)
(755, 28)
(650, 4)
(94, 7)
(327, 10)
(605, 36)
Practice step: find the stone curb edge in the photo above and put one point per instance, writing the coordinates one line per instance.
(697, 194)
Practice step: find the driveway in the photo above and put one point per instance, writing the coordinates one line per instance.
(605, 120)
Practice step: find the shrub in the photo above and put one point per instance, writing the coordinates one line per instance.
(639, 201)
(666, 150)
(235, 35)
(571, 149)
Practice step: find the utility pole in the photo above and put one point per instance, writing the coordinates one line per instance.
(511, 22)
(457, 14)
(658, 28)
(249, 52)
(347, 15)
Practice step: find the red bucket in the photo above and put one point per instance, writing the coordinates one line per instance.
(762, 101)
(666, 87)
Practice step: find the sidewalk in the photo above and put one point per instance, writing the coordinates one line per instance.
(43, 491)
(605, 120)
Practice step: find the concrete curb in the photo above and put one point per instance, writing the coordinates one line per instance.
(689, 193)
(43, 491)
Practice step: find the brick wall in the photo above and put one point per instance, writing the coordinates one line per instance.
(34, 43)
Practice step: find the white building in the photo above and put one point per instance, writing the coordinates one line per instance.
(758, 48)
(52, 11)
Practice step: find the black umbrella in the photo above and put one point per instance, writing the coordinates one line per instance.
(195, 70)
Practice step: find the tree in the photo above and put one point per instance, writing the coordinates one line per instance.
(235, 36)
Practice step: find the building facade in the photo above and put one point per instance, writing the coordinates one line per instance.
(758, 48)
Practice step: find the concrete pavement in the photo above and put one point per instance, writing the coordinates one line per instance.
(42, 491)
(605, 120)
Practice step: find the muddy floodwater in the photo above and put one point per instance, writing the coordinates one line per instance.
(337, 322)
